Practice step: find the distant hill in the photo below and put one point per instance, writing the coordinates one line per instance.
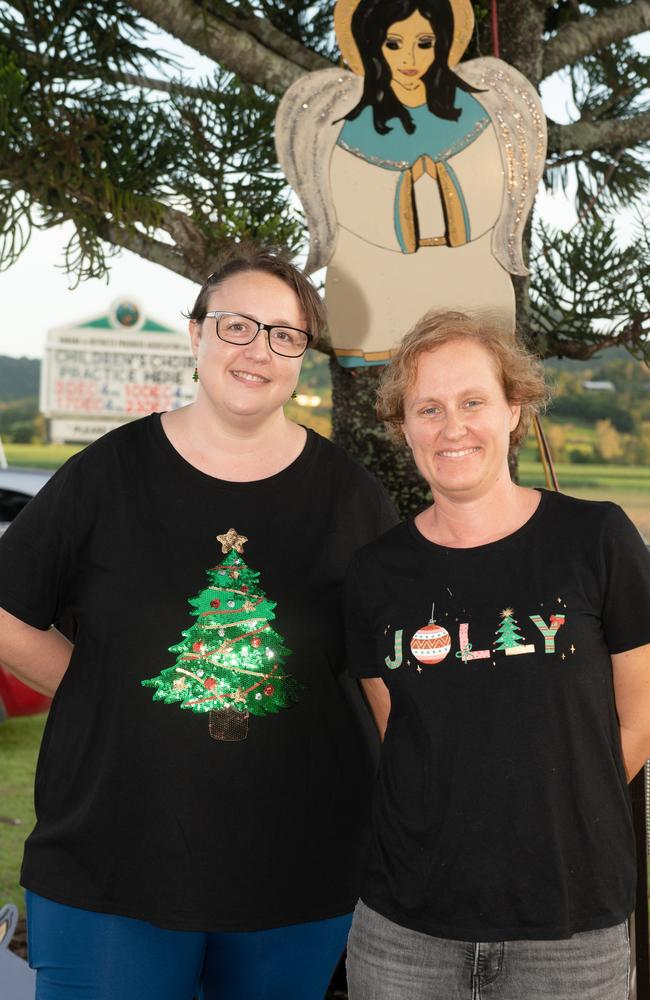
(18, 378)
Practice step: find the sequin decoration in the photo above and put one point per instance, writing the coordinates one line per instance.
(230, 654)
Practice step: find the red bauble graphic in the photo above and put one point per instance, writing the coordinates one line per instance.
(215, 603)
(244, 590)
(210, 683)
(431, 643)
(269, 689)
(256, 642)
(198, 647)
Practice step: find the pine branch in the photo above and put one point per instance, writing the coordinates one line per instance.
(148, 248)
(590, 33)
(270, 36)
(69, 69)
(579, 350)
(586, 136)
(235, 49)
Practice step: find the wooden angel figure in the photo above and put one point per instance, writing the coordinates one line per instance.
(416, 172)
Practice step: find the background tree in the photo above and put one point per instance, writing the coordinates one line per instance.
(104, 129)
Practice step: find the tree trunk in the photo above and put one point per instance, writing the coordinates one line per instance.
(355, 428)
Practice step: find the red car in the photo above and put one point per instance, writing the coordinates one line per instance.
(17, 486)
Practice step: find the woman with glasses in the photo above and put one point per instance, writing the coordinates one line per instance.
(203, 784)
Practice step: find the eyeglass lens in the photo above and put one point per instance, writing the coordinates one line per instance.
(285, 340)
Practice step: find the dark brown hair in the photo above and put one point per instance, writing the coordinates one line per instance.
(270, 260)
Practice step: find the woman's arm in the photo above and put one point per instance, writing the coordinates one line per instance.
(38, 658)
(632, 694)
(378, 698)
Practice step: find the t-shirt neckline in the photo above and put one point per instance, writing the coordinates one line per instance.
(278, 478)
(516, 535)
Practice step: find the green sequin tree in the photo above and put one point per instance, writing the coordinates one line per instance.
(230, 662)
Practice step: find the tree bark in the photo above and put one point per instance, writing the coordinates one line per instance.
(521, 26)
(580, 38)
(272, 38)
(214, 37)
(355, 428)
(585, 136)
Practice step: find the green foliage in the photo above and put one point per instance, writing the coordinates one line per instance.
(610, 84)
(587, 288)
(120, 160)
(18, 378)
(18, 420)
(593, 406)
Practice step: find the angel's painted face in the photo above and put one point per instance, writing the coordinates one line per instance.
(409, 49)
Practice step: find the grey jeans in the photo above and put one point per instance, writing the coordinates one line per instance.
(389, 962)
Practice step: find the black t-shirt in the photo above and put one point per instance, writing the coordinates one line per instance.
(502, 809)
(140, 811)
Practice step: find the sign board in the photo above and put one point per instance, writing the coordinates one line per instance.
(104, 371)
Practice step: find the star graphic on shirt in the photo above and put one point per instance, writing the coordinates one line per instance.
(573, 649)
(507, 613)
(564, 656)
(232, 540)
(419, 670)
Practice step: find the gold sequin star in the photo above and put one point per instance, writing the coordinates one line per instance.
(231, 540)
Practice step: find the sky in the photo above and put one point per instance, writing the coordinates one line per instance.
(35, 292)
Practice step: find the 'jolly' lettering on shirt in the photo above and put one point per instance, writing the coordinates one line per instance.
(432, 643)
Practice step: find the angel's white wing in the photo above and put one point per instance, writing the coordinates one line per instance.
(516, 111)
(306, 130)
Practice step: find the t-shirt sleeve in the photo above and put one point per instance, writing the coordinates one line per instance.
(387, 516)
(626, 571)
(361, 657)
(36, 552)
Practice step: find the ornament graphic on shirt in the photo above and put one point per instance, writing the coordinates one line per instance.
(510, 640)
(230, 662)
(431, 643)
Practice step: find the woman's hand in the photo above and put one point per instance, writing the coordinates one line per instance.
(632, 693)
(38, 658)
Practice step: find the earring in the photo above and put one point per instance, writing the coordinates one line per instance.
(195, 376)
(294, 394)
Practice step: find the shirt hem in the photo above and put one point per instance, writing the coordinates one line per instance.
(178, 921)
(552, 933)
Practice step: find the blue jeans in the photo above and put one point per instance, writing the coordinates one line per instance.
(83, 955)
(389, 962)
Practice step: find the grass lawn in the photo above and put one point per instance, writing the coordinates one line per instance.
(19, 743)
(627, 485)
(40, 456)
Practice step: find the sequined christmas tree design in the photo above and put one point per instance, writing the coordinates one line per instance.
(510, 641)
(230, 662)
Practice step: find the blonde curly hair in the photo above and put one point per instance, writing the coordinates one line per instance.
(520, 372)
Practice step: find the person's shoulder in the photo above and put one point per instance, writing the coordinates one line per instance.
(584, 516)
(127, 438)
(331, 455)
(373, 553)
(576, 507)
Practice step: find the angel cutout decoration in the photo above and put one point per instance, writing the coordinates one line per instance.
(416, 173)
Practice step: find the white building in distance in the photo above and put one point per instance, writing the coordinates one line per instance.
(107, 369)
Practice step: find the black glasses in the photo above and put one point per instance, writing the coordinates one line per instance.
(235, 328)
